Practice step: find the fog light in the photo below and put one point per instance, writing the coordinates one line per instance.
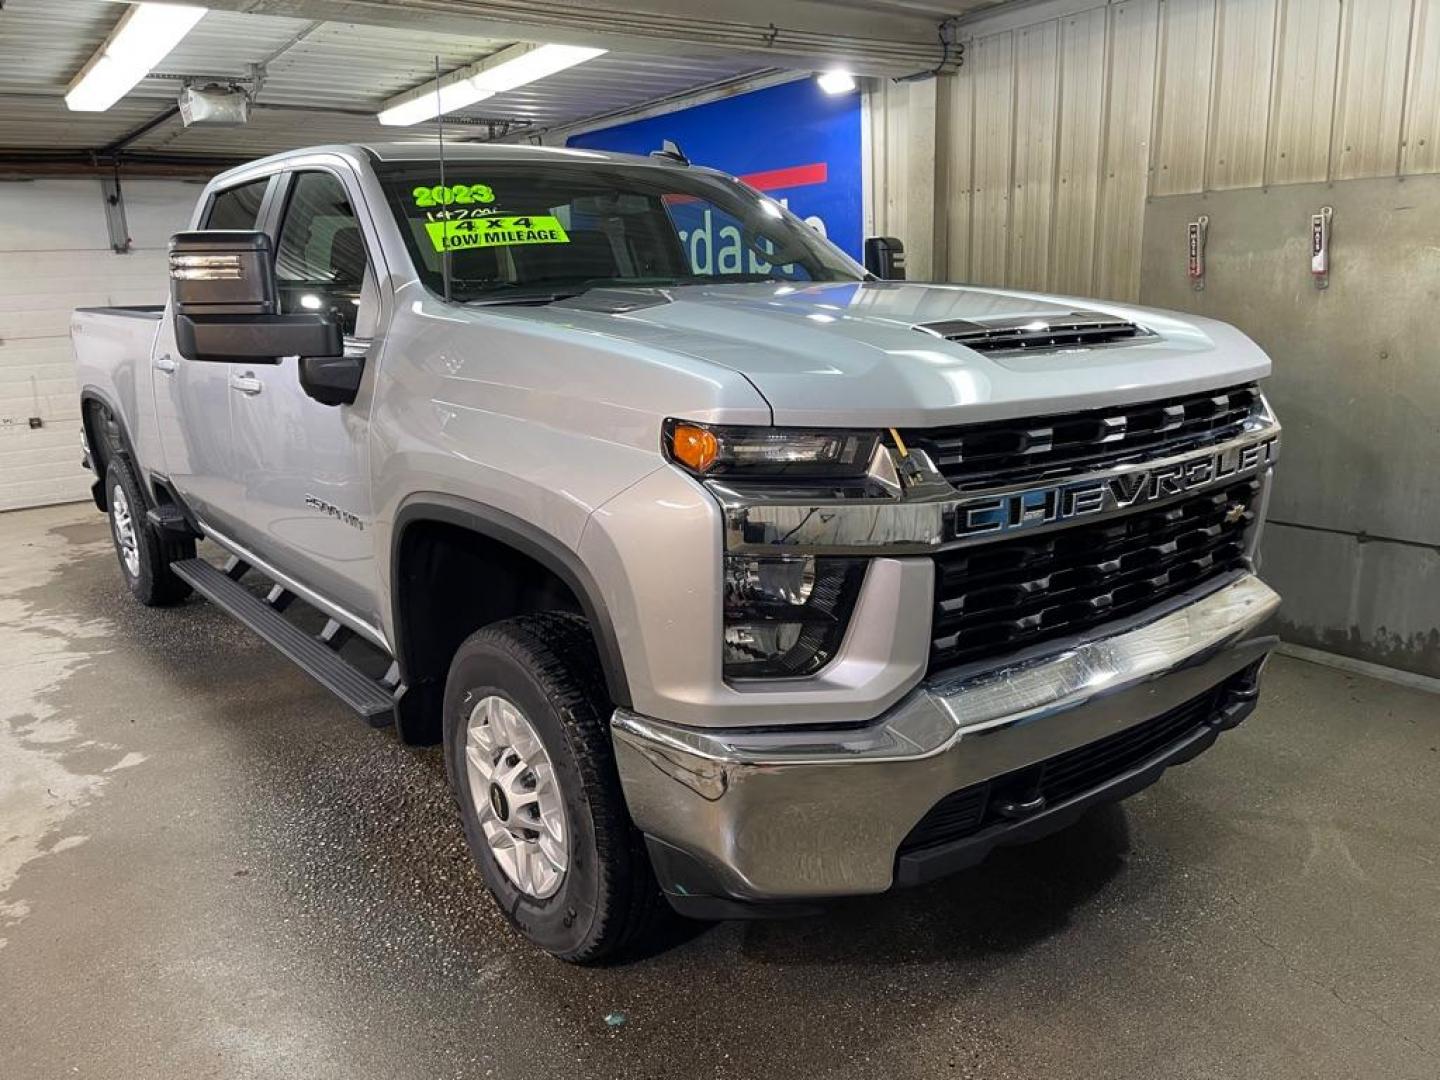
(786, 617)
(768, 581)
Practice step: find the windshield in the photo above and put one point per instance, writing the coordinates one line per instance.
(540, 229)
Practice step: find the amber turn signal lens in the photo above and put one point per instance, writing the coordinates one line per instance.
(694, 447)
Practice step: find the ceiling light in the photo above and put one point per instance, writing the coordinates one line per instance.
(836, 82)
(423, 106)
(505, 70)
(143, 37)
(526, 67)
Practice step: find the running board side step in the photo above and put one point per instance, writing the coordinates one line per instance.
(316, 656)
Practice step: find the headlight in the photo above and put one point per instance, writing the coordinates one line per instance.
(786, 617)
(708, 450)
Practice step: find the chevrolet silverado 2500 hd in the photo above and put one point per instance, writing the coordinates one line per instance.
(725, 572)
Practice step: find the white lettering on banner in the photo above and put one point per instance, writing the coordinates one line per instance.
(723, 251)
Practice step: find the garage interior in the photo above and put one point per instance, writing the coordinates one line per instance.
(207, 868)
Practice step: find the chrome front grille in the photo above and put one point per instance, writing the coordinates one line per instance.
(993, 599)
(1037, 448)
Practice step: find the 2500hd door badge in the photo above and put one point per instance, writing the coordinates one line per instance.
(353, 520)
(1012, 511)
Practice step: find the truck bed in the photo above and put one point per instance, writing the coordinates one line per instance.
(112, 347)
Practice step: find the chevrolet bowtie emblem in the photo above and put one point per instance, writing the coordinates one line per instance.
(1234, 512)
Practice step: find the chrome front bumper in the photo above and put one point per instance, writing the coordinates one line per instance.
(789, 815)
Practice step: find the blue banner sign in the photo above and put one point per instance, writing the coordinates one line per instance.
(794, 142)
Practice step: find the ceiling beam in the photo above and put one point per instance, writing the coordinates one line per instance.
(797, 34)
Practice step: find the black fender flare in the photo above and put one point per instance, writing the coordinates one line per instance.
(89, 395)
(529, 540)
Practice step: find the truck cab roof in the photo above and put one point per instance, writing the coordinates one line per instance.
(429, 150)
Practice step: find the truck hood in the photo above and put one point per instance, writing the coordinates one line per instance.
(853, 354)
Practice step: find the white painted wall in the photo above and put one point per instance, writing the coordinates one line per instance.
(55, 256)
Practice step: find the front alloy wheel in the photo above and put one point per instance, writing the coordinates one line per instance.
(512, 786)
(527, 748)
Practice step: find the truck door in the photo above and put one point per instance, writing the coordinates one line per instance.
(192, 397)
(304, 466)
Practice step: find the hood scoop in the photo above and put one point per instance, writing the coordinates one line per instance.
(1038, 333)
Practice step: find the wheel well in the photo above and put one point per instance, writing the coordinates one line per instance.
(449, 582)
(105, 438)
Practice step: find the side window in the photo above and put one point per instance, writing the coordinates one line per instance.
(320, 262)
(237, 207)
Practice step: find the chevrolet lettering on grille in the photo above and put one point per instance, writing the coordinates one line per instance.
(1012, 511)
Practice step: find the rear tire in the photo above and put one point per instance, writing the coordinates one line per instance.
(527, 747)
(145, 552)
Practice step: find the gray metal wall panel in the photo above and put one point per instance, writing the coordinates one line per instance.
(1370, 96)
(1036, 109)
(1355, 383)
(994, 67)
(1082, 115)
(1370, 599)
(1197, 95)
(959, 150)
(1187, 41)
(1240, 105)
(1420, 151)
(1304, 92)
(1133, 31)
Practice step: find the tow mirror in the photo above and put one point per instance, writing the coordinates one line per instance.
(885, 257)
(222, 288)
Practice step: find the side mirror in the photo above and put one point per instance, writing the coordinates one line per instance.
(222, 288)
(885, 257)
(332, 380)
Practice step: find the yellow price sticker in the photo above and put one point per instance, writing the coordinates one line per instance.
(497, 231)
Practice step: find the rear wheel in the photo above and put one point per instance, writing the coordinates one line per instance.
(145, 552)
(527, 747)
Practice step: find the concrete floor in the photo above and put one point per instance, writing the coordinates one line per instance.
(208, 868)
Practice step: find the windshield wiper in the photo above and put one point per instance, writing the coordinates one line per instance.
(523, 292)
(521, 298)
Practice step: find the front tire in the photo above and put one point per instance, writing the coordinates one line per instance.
(145, 552)
(527, 748)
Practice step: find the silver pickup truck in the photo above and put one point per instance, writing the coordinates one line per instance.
(725, 571)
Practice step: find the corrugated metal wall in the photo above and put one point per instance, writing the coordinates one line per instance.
(1055, 130)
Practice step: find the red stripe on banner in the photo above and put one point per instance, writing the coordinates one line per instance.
(794, 176)
(770, 180)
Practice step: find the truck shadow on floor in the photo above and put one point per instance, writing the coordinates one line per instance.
(1015, 899)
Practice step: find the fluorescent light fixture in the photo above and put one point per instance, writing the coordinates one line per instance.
(529, 66)
(143, 37)
(507, 69)
(836, 81)
(453, 95)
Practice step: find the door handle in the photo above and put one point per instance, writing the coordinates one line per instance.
(246, 384)
(165, 364)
